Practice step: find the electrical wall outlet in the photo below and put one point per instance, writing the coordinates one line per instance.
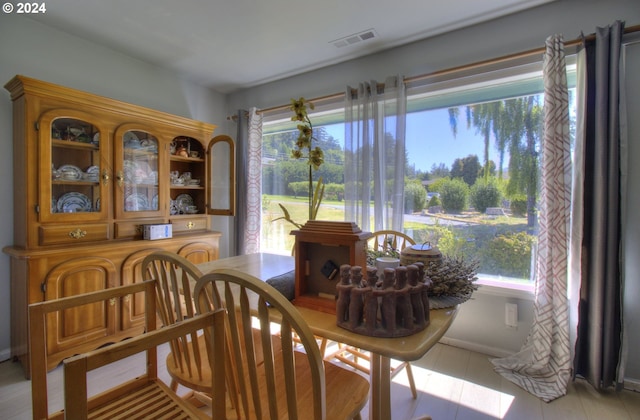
(511, 315)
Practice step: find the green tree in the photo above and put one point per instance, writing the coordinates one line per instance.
(454, 194)
(485, 194)
(466, 168)
(436, 186)
(524, 130)
(457, 168)
(516, 126)
(439, 171)
(415, 196)
(485, 117)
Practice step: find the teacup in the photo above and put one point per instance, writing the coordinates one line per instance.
(386, 262)
(194, 154)
(191, 209)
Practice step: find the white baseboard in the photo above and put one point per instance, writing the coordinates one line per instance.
(478, 348)
(5, 354)
(632, 384)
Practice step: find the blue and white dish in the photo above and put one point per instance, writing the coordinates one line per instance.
(182, 201)
(73, 202)
(70, 173)
(136, 202)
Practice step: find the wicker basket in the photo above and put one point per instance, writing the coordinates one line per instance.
(424, 253)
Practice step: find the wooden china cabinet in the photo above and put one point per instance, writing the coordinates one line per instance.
(89, 173)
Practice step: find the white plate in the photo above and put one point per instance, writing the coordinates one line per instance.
(70, 173)
(73, 202)
(130, 140)
(182, 201)
(136, 172)
(93, 170)
(136, 202)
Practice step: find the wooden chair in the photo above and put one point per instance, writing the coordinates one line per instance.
(186, 363)
(142, 397)
(389, 240)
(383, 241)
(288, 383)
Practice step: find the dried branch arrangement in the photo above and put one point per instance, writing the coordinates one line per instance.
(453, 276)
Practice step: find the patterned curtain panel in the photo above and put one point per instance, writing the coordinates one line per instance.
(375, 121)
(249, 182)
(543, 365)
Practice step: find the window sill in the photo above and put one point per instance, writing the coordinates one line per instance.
(505, 288)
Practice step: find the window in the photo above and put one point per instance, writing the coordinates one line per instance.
(285, 180)
(472, 167)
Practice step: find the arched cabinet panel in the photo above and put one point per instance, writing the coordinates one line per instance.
(89, 322)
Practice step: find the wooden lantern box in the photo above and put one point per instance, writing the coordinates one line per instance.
(319, 246)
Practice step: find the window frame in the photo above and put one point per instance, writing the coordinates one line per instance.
(518, 76)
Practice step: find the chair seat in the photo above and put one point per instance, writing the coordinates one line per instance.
(150, 400)
(191, 375)
(347, 391)
(349, 355)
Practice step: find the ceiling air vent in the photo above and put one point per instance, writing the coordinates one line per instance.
(355, 38)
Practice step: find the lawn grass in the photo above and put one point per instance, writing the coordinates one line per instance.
(473, 237)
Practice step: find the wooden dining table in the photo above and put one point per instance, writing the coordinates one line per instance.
(410, 348)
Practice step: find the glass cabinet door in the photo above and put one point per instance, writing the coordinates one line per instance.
(73, 174)
(222, 176)
(137, 173)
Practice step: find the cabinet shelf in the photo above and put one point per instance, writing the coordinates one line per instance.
(61, 182)
(68, 144)
(140, 185)
(153, 153)
(185, 159)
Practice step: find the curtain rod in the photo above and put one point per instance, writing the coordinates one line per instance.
(524, 54)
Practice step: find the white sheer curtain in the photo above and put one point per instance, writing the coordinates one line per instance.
(249, 182)
(543, 365)
(577, 205)
(375, 121)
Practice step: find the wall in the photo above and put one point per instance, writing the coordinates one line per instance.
(480, 324)
(32, 49)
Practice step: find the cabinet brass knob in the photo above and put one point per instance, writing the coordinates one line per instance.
(78, 233)
(127, 298)
(190, 225)
(112, 301)
(120, 178)
(105, 177)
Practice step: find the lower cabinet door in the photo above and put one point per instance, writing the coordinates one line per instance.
(200, 252)
(133, 307)
(72, 329)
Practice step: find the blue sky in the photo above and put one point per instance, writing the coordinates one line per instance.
(430, 139)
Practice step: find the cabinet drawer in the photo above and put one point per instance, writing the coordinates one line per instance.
(189, 223)
(67, 234)
(133, 230)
